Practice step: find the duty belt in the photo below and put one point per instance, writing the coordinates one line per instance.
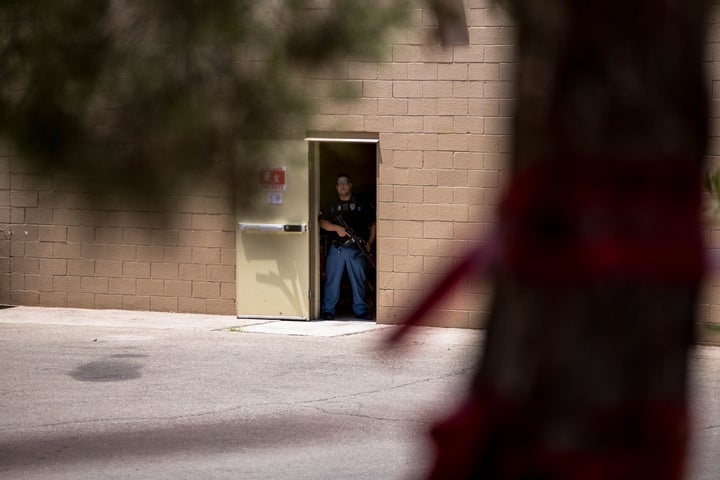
(345, 244)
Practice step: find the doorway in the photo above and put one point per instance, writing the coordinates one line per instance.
(358, 158)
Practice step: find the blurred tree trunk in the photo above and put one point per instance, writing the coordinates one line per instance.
(584, 372)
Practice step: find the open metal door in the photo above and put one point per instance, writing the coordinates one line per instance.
(274, 238)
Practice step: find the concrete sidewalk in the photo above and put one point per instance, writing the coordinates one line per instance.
(182, 321)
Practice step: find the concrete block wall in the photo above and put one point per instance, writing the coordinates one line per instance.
(131, 253)
(709, 304)
(444, 119)
(4, 223)
(444, 115)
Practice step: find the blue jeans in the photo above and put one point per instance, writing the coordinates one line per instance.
(337, 259)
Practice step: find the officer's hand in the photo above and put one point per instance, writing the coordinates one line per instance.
(341, 232)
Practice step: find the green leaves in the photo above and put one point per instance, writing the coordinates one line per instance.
(147, 94)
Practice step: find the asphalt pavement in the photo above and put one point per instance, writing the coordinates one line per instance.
(89, 394)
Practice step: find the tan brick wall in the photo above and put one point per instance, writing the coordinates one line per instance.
(709, 310)
(444, 116)
(444, 119)
(70, 250)
(5, 212)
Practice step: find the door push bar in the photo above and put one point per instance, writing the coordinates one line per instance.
(271, 227)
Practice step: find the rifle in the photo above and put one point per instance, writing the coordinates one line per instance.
(357, 240)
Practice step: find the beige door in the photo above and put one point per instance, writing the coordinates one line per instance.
(274, 238)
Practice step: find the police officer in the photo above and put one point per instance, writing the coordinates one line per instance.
(359, 215)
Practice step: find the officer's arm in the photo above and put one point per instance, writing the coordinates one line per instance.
(331, 227)
(371, 238)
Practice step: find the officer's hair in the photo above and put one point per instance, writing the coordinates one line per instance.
(344, 175)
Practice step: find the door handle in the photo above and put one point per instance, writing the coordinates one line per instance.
(272, 227)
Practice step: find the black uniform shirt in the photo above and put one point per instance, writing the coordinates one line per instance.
(357, 212)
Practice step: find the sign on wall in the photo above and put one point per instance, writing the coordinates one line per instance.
(272, 178)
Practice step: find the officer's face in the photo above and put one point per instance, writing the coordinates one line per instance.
(343, 185)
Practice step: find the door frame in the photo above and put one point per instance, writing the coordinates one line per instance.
(313, 140)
